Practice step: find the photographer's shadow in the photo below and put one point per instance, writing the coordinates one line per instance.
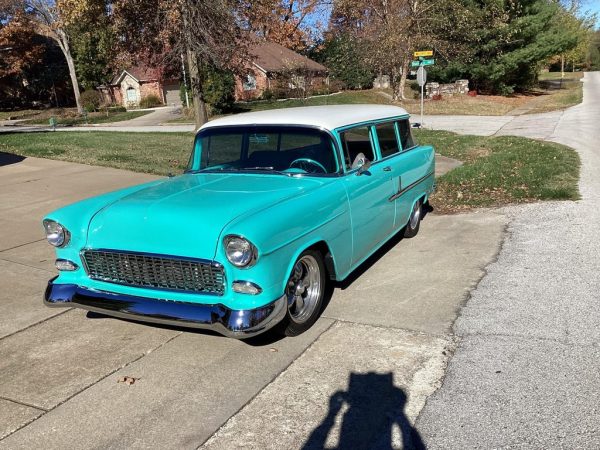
(373, 407)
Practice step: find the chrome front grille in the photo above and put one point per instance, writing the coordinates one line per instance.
(155, 271)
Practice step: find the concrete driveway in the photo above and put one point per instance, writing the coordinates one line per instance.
(377, 353)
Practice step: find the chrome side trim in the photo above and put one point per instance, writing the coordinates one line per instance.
(409, 187)
(239, 324)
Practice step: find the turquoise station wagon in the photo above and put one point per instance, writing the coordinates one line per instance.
(272, 207)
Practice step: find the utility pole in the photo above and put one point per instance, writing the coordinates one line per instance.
(421, 79)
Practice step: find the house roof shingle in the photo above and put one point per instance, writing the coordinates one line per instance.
(267, 55)
(273, 57)
(140, 73)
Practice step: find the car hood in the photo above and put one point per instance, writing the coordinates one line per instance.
(185, 215)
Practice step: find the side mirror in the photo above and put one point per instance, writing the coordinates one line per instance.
(363, 165)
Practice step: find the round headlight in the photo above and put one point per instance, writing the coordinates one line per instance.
(56, 234)
(239, 251)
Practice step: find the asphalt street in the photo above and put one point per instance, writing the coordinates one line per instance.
(526, 373)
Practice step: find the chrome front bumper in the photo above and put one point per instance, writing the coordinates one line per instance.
(239, 324)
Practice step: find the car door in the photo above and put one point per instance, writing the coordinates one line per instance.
(411, 166)
(371, 212)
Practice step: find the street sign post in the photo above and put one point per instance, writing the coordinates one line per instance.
(424, 58)
(421, 79)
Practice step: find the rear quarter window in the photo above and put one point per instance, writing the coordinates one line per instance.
(406, 138)
(386, 136)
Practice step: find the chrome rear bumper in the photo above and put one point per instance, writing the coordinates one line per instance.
(239, 324)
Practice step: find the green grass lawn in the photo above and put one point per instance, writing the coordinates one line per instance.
(158, 153)
(21, 114)
(92, 118)
(501, 170)
(496, 170)
(558, 75)
(540, 100)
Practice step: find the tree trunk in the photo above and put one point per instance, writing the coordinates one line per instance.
(63, 43)
(199, 105)
(403, 76)
(394, 84)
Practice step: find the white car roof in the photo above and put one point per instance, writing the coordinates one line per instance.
(327, 117)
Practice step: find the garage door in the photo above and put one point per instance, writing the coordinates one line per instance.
(172, 94)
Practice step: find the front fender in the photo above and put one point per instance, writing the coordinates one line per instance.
(76, 218)
(283, 231)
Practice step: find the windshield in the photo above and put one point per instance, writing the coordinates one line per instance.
(280, 149)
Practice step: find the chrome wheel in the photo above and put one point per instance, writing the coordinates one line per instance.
(304, 289)
(416, 215)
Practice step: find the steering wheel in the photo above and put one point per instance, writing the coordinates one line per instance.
(306, 163)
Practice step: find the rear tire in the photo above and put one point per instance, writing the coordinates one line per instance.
(414, 222)
(304, 292)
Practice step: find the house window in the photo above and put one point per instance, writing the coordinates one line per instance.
(249, 82)
(297, 82)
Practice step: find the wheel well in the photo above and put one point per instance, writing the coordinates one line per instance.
(323, 248)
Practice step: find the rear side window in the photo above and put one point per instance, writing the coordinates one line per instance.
(386, 135)
(406, 138)
(357, 143)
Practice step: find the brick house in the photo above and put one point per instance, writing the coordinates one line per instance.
(131, 85)
(280, 70)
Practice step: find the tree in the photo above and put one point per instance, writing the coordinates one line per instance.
(283, 21)
(158, 32)
(18, 46)
(53, 19)
(580, 24)
(215, 41)
(505, 43)
(20, 51)
(92, 46)
(391, 30)
(593, 53)
(345, 57)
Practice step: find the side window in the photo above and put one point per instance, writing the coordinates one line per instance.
(356, 141)
(406, 138)
(386, 136)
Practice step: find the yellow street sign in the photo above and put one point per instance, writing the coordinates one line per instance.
(424, 53)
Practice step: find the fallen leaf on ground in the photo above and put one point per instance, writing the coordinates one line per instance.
(127, 380)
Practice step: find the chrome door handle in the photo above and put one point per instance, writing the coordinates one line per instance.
(387, 169)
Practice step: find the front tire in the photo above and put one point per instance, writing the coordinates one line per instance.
(414, 222)
(305, 292)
